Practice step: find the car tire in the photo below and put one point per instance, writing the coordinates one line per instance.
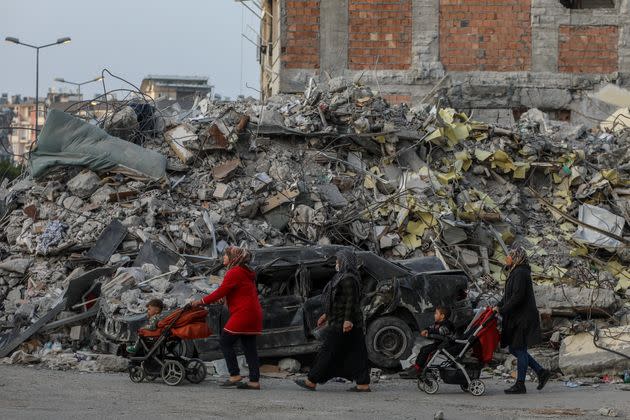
(388, 340)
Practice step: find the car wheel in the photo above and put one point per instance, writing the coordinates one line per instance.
(388, 339)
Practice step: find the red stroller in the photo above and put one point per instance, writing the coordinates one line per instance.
(456, 367)
(158, 354)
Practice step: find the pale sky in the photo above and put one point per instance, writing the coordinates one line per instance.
(131, 38)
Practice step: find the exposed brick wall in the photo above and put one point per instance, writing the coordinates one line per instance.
(588, 49)
(379, 34)
(394, 99)
(491, 35)
(301, 50)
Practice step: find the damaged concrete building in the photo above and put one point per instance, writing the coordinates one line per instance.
(496, 59)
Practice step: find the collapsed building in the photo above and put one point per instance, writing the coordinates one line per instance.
(141, 203)
(495, 59)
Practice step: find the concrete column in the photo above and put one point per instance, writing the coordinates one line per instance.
(547, 16)
(624, 40)
(425, 47)
(333, 36)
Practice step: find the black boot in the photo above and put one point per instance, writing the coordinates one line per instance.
(543, 377)
(517, 388)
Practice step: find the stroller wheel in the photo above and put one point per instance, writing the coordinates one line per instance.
(477, 387)
(136, 374)
(195, 371)
(428, 385)
(464, 387)
(173, 372)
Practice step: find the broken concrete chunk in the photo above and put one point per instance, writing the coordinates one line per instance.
(289, 365)
(16, 265)
(84, 184)
(567, 298)
(331, 194)
(192, 240)
(73, 203)
(470, 257)
(221, 191)
(248, 209)
(225, 170)
(177, 138)
(580, 357)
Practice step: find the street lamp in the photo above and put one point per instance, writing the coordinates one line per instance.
(78, 85)
(13, 40)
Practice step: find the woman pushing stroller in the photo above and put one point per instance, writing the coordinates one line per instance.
(241, 295)
(521, 323)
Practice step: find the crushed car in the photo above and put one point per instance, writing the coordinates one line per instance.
(398, 301)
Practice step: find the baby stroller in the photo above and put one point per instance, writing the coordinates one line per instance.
(457, 367)
(158, 353)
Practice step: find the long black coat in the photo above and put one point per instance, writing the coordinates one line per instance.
(521, 321)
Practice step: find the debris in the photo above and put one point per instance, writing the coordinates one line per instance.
(583, 354)
(278, 199)
(52, 236)
(225, 170)
(84, 184)
(16, 265)
(108, 241)
(289, 365)
(607, 412)
(603, 219)
(177, 138)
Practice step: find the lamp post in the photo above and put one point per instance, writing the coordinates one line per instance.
(63, 40)
(78, 85)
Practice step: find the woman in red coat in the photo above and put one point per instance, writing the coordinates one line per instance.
(245, 323)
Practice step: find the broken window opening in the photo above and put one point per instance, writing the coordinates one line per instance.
(588, 4)
(553, 114)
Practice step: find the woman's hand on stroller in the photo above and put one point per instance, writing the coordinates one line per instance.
(196, 303)
(322, 320)
(424, 333)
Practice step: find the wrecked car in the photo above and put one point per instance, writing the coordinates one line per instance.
(398, 302)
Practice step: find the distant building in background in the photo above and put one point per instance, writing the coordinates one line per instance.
(22, 136)
(6, 115)
(182, 89)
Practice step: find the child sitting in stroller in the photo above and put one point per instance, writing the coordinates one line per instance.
(154, 314)
(443, 327)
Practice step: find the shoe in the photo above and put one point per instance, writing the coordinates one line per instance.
(357, 389)
(409, 373)
(230, 384)
(302, 383)
(517, 388)
(543, 377)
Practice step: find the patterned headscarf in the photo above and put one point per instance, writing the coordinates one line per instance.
(347, 262)
(519, 257)
(238, 256)
(348, 266)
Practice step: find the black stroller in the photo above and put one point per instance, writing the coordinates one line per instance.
(158, 354)
(482, 337)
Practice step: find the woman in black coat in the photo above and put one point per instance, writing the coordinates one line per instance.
(343, 352)
(521, 322)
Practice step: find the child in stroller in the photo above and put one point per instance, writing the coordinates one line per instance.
(481, 337)
(159, 351)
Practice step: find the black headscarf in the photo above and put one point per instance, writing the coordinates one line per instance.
(348, 267)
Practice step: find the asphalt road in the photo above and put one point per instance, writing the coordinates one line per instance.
(32, 393)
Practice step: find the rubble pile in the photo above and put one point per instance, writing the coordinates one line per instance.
(336, 165)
